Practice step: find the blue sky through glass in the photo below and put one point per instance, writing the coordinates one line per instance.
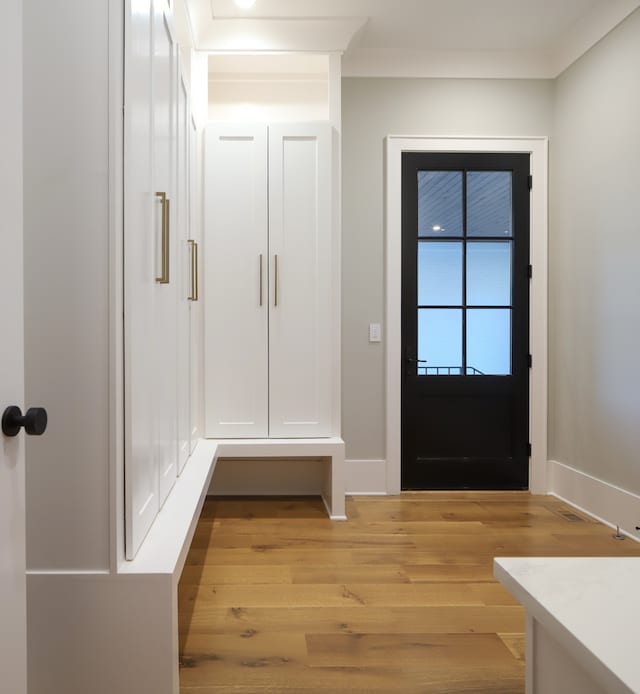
(488, 268)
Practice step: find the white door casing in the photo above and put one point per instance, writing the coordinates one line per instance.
(13, 634)
(537, 147)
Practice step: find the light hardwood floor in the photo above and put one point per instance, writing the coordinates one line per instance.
(399, 599)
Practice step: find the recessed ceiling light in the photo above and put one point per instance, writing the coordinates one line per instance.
(437, 227)
(245, 4)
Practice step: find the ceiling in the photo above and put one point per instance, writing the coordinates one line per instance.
(415, 38)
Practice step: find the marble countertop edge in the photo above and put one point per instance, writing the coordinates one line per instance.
(592, 662)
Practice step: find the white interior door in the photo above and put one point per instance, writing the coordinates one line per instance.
(13, 633)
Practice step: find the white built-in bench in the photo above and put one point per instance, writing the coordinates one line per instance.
(146, 589)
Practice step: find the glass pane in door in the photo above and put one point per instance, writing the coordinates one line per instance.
(440, 208)
(489, 273)
(489, 208)
(488, 342)
(439, 273)
(439, 342)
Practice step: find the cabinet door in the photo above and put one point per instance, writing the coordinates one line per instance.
(165, 318)
(300, 247)
(235, 284)
(140, 270)
(183, 329)
(195, 327)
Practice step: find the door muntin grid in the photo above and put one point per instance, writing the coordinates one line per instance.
(465, 273)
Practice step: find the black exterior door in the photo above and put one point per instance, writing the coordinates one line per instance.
(465, 321)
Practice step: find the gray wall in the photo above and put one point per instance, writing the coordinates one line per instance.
(594, 262)
(66, 259)
(373, 109)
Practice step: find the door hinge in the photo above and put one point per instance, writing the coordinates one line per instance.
(529, 360)
(530, 271)
(530, 182)
(529, 450)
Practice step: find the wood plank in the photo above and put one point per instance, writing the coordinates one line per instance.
(401, 599)
(381, 574)
(215, 574)
(516, 645)
(346, 595)
(433, 573)
(455, 619)
(478, 652)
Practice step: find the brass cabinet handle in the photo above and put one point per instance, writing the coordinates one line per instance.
(275, 284)
(194, 296)
(260, 279)
(164, 272)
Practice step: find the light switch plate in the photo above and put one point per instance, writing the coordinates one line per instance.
(375, 334)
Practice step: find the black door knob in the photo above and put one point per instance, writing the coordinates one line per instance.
(34, 421)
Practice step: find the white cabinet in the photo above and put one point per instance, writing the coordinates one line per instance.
(164, 353)
(158, 269)
(269, 324)
(184, 278)
(236, 263)
(195, 310)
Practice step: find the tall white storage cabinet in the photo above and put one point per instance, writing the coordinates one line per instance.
(159, 268)
(236, 281)
(269, 327)
(149, 245)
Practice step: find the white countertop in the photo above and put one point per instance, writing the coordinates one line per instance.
(591, 605)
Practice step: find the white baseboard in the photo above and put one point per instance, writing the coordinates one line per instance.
(366, 477)
(611, 505)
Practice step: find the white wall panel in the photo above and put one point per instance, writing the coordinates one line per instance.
(67, 281)
(593, 261)
(13, 606)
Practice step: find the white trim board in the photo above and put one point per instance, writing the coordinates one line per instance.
(606, 502)
(538, 148)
